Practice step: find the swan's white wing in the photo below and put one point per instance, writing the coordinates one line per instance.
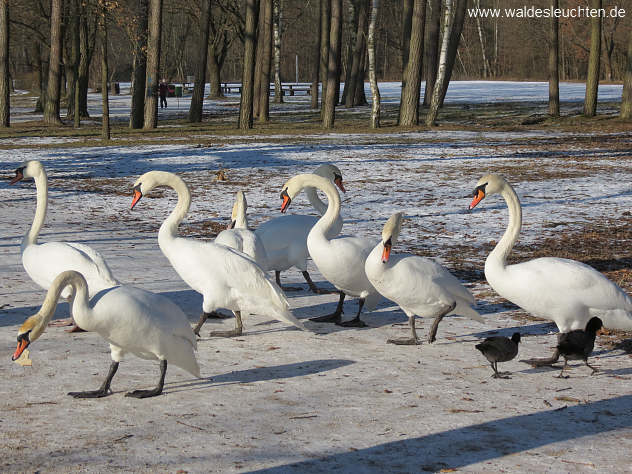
(99, 261)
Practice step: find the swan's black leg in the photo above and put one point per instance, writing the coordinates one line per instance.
(155, 391)
(355, 322)
(432, 335)
(233, 332)
(335, 316)
(104, 391)
(314, 288)
(277, 277)
(411, 341)
(204, 317)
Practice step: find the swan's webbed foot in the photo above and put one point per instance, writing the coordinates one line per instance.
(329, 318)
(154, 391)
(410, 341)
(91, 393)
(353, 323)
(62, 322)
(543, 362)
(75, 328)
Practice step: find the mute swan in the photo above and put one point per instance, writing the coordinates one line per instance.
(225, 277)
(340, 259)
(43, 262)
(239, 237)
(579, 344)
(145, 324)
(499, 349)
(419, 285)
(285, 237)
(564, 291)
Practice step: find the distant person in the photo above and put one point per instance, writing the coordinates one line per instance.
(162, 89)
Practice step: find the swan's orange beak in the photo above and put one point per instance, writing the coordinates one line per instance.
(479, 194)
(23, 343)
(231, 225)
(286, 200)
(137, 196)
(19, 176)
(386, 253)
(338, 182)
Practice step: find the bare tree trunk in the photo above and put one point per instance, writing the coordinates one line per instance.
(592, 81)
(264, 94)
(407, 21)
(329, 105)
(197, 100)
(432, 49)
(248, 72)
(153, 64)
(325, 23)
(453, 46)
(86, 47)
(486, 64)
(554, 74)
(357, 74)
(51, 108)
(411, 83)
(105, 121)
(278, 88)
(71, 55)
(375, 91)
(316, 64)
(139, 74)
(259, 58)
(626, 99)
(5, 96)
(360, 96)
(448, 22)
(351, 36)
(214, 80)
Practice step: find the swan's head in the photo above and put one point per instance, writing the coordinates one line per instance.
(32, 328)
(147, 182)
(516, 337)
(239, 209)
(28, 169)
(332, 173)
(486, 186)
(390, 233)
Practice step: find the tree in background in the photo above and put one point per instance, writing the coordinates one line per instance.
(431, 49)
(5, 98)
(554, 74)
(276, 22)
(248, 71)
(626, 99)
(448, 23)
(197, 100)
(103, 27)
(153, 64)
(266, 60)
(411, 81)
(313, 91)
(137, 32)
(356, 75)
(71, 55)
(375, 91)
(329, 100)
(325, 27)
(51, 108)
(460, 8)
(592, 80)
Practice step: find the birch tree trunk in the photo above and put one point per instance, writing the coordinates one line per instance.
(375, 91)
(432, 49)
(139, 74)
(258, 58)
(448, 21)
(626, 99)
(266, 56)
(278, 88)
(105, 106)
(460, 7)
(153, 64)
(554, 74)
(197, 100)
(486, 64)
(325, 24)
(329, 105)
(51, 108)
(592, 80)
(411, 83)
(5, 96)
(248, 71)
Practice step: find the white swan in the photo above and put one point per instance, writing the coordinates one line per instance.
(225, 277)
(285, 237)
(561, 290)
(239, 237)
(43, 262)
(419, 285)
(341, 259)
(132, 320)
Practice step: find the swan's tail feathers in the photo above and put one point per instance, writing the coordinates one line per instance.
(184, 357)
(281, 306)
(464, 309)
(286, 316)
(371, 301)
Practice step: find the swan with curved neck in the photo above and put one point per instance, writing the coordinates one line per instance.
(226, 278)
(43, 262)
(340, 259)
(285, 237)
(133, 320)
(564, 291)
(239, 237)
(419, 285)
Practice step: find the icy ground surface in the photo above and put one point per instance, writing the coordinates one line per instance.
(336, 398)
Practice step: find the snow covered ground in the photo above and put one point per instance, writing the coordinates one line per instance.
(281, 400)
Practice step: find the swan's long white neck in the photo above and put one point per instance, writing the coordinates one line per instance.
(509, 238)
(41, 185)
(315, 201)
(80, 303)
(241, 220)
(332, 212)
(169, 227)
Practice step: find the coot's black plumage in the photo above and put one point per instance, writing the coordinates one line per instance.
(499, 349)
(579, 344)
